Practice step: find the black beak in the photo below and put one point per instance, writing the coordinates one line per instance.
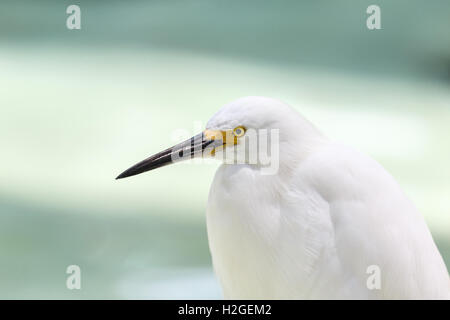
(188, 149)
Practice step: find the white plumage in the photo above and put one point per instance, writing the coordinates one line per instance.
(311, 230)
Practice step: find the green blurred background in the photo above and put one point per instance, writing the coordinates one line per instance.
(77, 107)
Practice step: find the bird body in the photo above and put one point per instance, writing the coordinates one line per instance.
(309, 237)
(316, 227)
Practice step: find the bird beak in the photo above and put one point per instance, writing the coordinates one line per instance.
(197, 146)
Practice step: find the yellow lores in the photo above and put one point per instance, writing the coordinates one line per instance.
(229, 137)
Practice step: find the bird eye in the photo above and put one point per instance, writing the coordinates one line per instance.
(239, 131)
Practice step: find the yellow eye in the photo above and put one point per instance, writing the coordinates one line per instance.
(239, 131)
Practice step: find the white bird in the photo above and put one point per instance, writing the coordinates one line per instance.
(330, 223)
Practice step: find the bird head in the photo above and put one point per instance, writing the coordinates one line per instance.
(249, 130)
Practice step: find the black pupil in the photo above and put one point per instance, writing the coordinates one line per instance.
(238, 131)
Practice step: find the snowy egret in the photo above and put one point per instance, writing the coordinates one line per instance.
(318, 226)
